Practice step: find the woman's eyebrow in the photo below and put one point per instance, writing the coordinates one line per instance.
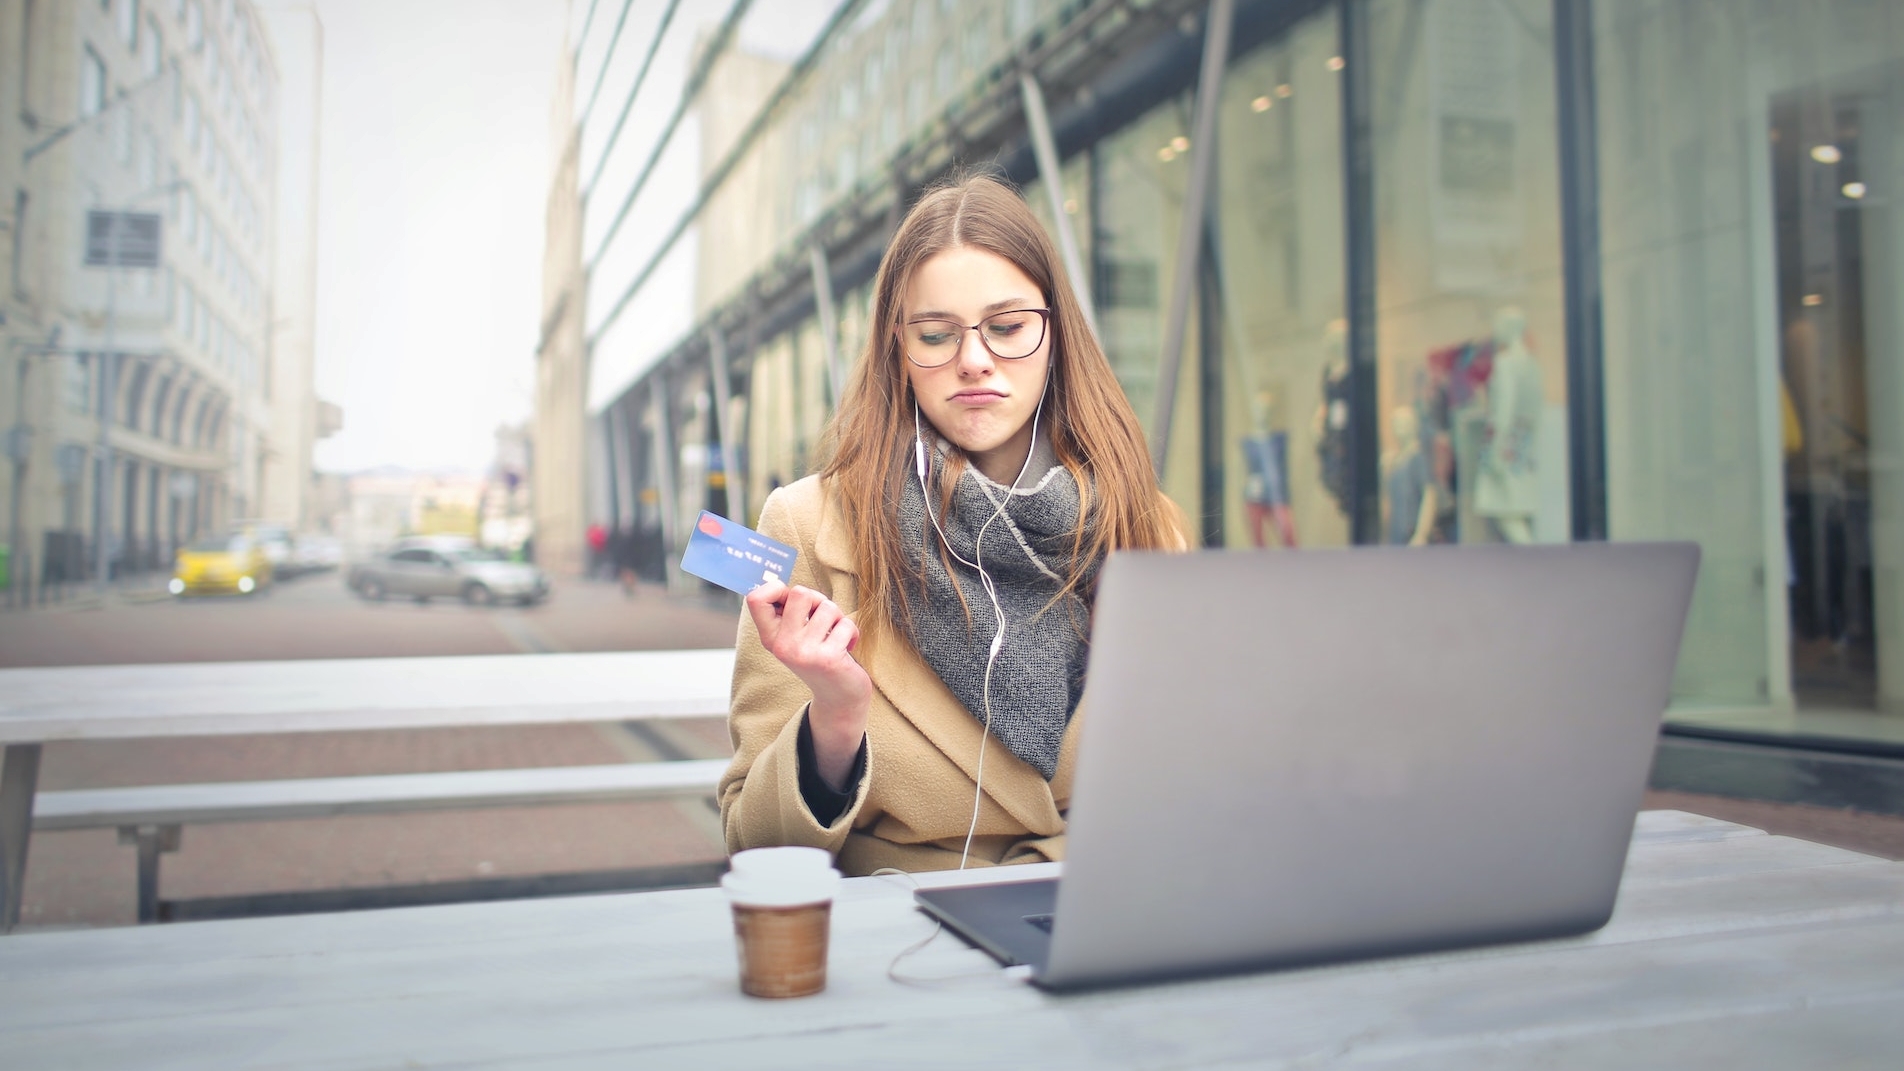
(941, 314)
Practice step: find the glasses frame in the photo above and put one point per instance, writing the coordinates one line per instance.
(899, 334)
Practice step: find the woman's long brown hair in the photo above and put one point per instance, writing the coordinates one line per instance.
(868, 445)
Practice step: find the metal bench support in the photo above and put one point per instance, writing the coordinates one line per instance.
(152, 841)
(19, 780)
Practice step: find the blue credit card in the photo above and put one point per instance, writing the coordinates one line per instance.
(734, 556)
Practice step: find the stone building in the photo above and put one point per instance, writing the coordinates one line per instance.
(137, 109)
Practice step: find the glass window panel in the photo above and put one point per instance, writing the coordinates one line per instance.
(1075, 182)
(1279, 271)
(771, 436)
(150, 50)
(1470, 321)
(1755, 346)
(92, 83)
(1141, 173)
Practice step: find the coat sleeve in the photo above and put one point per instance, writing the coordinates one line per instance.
(761, 804)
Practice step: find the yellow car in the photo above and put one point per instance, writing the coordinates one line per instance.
(220, 564)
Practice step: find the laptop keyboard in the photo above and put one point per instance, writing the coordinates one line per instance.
(1043, 922)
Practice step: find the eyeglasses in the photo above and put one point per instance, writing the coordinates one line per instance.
(1012, 335)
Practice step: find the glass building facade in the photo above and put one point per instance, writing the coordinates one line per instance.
(1470, 271)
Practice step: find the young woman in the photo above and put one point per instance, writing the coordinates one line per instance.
(982, 464)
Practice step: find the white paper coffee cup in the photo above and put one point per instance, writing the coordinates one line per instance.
(783, 903)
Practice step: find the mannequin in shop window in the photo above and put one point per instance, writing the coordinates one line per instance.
(1332, 416)
(1266, 490)
(1507, 490)
(1409, 498)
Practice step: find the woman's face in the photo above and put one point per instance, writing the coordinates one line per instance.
(981, 403)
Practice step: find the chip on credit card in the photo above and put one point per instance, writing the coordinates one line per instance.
(735, 556)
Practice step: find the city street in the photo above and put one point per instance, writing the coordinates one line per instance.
(86, 878)
(316, 617)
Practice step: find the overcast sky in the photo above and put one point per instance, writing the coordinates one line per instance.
(431, 187)
(436, 155)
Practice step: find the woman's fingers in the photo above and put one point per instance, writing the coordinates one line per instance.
(800, 626)
(844, 637)
(763, 605)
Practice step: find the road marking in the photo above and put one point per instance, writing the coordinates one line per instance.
(525, 635)
(649, 742)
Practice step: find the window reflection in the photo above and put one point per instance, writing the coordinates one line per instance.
(1470, 323)
(1279, 270)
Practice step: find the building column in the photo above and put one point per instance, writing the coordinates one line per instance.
(1358, 216)
(666, 457)
(1216, 55)
(1580, 283)
(1883, 238)
(1045, 149)
(719, 374)
(829, 321)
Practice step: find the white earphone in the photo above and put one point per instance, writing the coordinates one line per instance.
(985, 579)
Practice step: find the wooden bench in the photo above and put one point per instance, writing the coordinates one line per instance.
(153, 817)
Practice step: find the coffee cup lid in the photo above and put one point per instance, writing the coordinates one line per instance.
(790, 859)
(781, 877)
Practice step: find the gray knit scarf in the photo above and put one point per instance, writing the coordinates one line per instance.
(1040, 669)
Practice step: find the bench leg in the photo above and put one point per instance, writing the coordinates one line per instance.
(152, 841)
(19, 779)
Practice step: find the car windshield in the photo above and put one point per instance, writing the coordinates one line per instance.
(218, 545)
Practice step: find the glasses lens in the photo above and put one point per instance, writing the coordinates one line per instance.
(1015, 334)
(932, 342)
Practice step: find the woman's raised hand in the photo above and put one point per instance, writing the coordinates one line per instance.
(811, 636)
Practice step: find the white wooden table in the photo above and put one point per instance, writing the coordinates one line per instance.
(325, 695)
(1730, 949)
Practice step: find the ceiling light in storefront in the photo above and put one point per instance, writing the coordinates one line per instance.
(1262, 104)
(1826, 154)
(1166, 154)
(1285, 91)
(1336, 63)
(1070, 206)
(1853, 190)
(1180, 143)
(1812, 301)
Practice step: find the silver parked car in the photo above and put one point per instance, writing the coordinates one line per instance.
(423, 569)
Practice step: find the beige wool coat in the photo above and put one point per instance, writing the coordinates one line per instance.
(922, 746)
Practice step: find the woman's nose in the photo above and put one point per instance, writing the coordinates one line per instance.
(974, 358)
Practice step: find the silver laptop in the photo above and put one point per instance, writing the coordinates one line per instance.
(1295, 758)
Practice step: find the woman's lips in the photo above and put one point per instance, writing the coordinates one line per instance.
(978, 396)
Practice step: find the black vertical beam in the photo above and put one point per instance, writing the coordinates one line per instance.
(1210, 343)
(1580, 253)
(1358, 217)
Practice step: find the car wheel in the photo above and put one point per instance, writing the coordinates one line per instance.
(478, 595)
(422, 600)
(372, 590)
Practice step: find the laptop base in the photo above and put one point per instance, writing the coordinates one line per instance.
(1009, 920)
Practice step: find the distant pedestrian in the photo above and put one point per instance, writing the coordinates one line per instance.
(597, 537)
(622, 549)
